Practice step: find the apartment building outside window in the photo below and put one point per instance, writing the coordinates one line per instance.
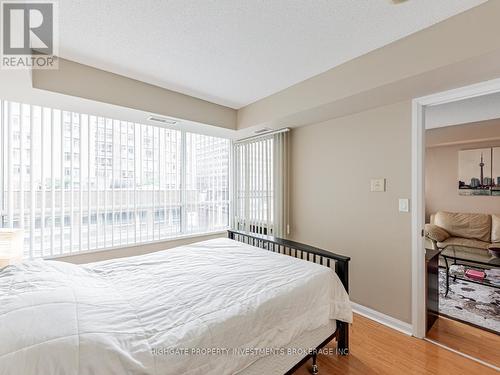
(78, 182)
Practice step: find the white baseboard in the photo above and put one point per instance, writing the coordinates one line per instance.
(386, 320)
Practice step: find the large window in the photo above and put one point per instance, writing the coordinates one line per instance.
(78, 182)
(261, 185)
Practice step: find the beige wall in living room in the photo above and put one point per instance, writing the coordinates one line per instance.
(333, 208)
(441, 168)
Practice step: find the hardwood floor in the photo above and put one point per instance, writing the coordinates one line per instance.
(467, 339)
(377, 349)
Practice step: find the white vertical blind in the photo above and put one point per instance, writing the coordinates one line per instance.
(21, 166)
(43, 162)
(89, 183)
(10, 185)
(62, 190)
(260, 184)
(52, 182)
(206, 183)
(2, 156)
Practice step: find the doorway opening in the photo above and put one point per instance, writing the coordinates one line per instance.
(454, 281)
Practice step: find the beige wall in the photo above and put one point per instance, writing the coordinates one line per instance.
(441, 168)
(333, 208)
(135, 250)
(84, 81)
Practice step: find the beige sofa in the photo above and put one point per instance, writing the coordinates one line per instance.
(464, 233)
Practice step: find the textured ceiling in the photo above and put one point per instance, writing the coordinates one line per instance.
(234, 52)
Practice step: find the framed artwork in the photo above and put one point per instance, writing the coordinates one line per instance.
(475, 171)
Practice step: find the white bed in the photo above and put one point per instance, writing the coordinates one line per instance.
(279, 364)
(178, 311)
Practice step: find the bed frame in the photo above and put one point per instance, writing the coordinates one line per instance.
(312, 254)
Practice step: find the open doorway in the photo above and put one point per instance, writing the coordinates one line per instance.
(456, 267)
(462, 201)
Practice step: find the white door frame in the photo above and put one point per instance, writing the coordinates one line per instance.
(418, 188)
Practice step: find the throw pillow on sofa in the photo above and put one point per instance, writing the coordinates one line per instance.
(436, 233)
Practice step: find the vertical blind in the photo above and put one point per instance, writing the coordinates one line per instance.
(261, 185)
(77, 182)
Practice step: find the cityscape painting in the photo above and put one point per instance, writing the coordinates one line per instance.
(479, 171)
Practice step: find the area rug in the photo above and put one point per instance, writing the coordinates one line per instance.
(470, 302)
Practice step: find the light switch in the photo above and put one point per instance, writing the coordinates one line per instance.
(404, 205)
(377, 184)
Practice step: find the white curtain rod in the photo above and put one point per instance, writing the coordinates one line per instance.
(266, 134)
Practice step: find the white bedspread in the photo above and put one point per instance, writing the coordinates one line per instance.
(126, 316)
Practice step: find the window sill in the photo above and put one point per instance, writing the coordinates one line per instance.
(123, 247)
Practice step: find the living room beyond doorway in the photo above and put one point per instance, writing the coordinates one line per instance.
(462, 236)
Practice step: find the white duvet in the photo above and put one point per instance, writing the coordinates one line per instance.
(179, 311)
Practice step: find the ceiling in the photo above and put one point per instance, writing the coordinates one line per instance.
(234, 52)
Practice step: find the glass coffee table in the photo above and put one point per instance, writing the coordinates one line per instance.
(471, 261)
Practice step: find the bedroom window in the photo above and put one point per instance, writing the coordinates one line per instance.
(260, 190)
(77, 182)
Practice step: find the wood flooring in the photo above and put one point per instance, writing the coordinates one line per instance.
(467, 339)
(377, 349)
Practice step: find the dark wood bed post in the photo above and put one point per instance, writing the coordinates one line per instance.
(342, 270)
(311, 254)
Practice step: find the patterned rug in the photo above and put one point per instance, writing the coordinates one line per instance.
(470, 302)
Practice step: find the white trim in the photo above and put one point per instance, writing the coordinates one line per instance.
(461, 93)
(381, 318)
(418, 192)
(417, 219)
(463, 354)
